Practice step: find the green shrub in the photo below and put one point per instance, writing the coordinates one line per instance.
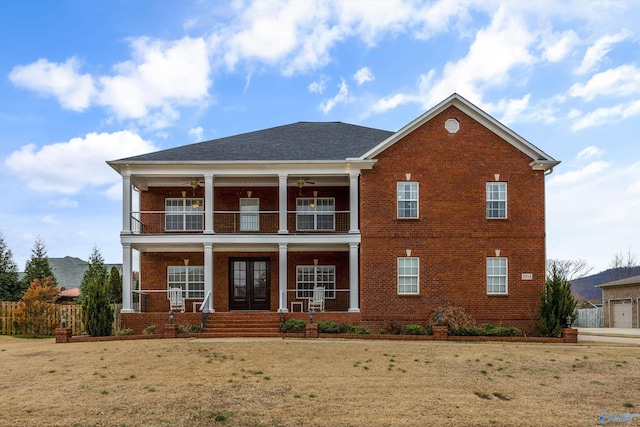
(487, 331)
(329, 327)
(127, 331)
(294, 325)
(360, 330)
(414, 330)
(393, 327)
(149, 330)
(188, 328)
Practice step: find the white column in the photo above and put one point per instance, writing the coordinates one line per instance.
(282, 277)
(208, 276)
(126, 279)
(353, 279)
(354, 206)
(208, 204)
(126, 202)
(282, 204)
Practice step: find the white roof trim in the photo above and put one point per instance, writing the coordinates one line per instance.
(541, 160)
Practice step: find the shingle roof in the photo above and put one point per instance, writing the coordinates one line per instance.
(298, 141)
(626, 281)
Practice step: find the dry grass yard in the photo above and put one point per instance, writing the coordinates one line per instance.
(190, 382)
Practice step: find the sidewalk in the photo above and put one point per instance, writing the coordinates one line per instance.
(615, 335)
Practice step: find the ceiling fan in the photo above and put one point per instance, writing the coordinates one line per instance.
(301, 181)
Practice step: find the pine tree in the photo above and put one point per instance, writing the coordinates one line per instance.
(96, 308)
(556, 303)
(38, 265)
(96, 271)
(115, 286)
(36, 311)
(10, 286)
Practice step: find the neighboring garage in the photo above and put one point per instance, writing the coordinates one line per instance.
(620, 300)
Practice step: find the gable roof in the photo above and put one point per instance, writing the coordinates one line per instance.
(302, 141)
(540, 159)
(633, 280)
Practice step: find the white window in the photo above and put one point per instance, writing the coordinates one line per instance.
(407, 199)
(315, 214)
(188, 278)
(184, 214)
(408, 275)
(310, 276)
(249, 214)
(496, 199)
(497, 275)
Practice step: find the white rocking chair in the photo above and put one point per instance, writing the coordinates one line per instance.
(316, 302)
(176, 300)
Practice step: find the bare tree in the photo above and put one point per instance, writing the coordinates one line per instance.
(569, 269)
(622, 268)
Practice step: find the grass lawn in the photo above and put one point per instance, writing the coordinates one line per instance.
(190, 382)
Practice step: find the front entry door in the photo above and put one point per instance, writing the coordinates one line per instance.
(249, 285)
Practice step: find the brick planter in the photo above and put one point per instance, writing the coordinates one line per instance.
(63, 335)
(440, 333)
(311, 331)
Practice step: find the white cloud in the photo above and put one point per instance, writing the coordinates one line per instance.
(64, 203)
(604, 115)
(588, 173)
(556, 46)
(68, 167)
(50, 220)
(318, 86)
(390, 102)
(621, 81)
(596, 52)
(196, 133)
(589, 153)
(341, 97)
(363, 75)
(74, 91)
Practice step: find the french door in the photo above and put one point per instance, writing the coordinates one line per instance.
(249, 283)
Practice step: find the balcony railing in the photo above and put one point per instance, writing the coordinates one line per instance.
(235, 222)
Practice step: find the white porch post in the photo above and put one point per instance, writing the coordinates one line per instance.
(282, 277)
(354, 207)
(208, 204)
(126, 279)
(282, 204)
(208, 276)
(353, 279)
(126, 202)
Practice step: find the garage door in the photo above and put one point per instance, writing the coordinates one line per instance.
(621, 313)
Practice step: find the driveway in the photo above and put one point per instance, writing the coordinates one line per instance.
(614, 335)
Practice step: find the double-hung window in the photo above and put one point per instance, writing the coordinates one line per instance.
(497, 275)
(407, 199)
(408, 275)
(249, 214)
(310, 276)
(188, 278)
(496, 199)
(315, 214)
(184, 214)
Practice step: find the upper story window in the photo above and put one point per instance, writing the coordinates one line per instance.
(188, 278)
(407, 199)
(408, 275)
(184, 214)
(315, 214)
(496, 199)
(249, 214)
(497, 275)
(310, 276)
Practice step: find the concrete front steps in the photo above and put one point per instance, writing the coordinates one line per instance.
(242, 324)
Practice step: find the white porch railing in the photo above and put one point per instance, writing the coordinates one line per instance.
(297, 300)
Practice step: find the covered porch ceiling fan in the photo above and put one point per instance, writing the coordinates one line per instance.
(301, 181)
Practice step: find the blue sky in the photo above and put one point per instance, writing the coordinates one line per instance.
(82, 82)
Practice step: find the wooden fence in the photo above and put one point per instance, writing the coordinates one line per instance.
(73, 312)
(589, 317)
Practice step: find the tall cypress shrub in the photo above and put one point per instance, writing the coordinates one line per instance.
(556, 303)
(96, 308)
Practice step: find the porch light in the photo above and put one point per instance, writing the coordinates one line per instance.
(311, 313)
(249, 193)
(568, 319)
(186, 261)
(171, 317)
(64, 321)
(184, 194)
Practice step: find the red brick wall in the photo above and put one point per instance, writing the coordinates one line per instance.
(452, 237)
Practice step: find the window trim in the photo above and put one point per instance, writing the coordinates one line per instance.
(505, 275)
(189, 292)
(498, 201)
(184, 213)
(416, 200)
(315, 213)
(416, 275)
(329, 292)
(249, 216)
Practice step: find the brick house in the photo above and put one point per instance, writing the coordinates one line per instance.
(620, 299)
(447, 210)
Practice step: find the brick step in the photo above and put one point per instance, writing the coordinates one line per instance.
(242, 324)
(239, 335)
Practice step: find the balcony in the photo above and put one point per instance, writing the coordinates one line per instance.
(236, 222)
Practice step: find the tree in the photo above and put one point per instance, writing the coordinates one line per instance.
(115, 286)
(96, 308)
(622, 268)
(35, 311)
(10, 286)
(556, 302)
(570, 269)
(38, 265)
(96, 271)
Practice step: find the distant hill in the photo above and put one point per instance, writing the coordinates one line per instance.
(70, 270)
(585, 287)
